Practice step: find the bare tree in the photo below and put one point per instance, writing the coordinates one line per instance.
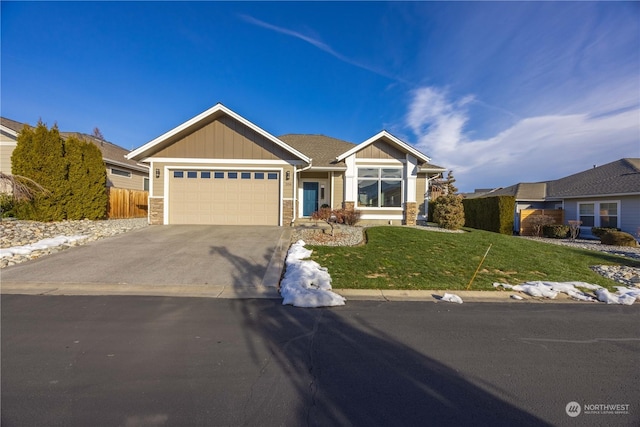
(21, 188)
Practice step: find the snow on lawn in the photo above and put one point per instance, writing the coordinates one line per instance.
(40, 245)
(305, 282)
(626, 296)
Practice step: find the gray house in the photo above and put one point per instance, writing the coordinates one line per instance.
(603, 196)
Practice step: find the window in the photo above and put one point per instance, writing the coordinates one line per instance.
(218, 175)
(609, 215)
(380, 187)
(245, 175)
(258, 175)
(599, 214)
(272, 176)
(120, 172)
(146, 184)
(587, 214)
(232, 175)
(178, 174)
(192, 174)
(205, 175)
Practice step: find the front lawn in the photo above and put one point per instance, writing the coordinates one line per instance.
(410, 258)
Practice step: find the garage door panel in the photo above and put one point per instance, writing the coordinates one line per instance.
(251, 198)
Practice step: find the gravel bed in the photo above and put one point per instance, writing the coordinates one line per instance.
(19, 233)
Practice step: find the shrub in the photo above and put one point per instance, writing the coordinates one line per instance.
(538, 222)
(601, 231)
(555, 231)
(6, 205)
(336, 216)
(618, 238)
(449, 212)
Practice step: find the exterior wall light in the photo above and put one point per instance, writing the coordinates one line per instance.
(157, 173)
(288, 174)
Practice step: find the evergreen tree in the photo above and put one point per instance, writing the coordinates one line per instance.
(448, 212)
(87, 180)
(451, 189)
(39, 155)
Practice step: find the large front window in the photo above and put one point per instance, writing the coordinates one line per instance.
(380, 187)
(598, 214)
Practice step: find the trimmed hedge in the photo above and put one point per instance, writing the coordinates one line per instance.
(490, 213)
(618, 238)
(601, 231)
(556, 231)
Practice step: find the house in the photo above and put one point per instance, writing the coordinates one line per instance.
(220, 168)
(603, 196)
(121, 172)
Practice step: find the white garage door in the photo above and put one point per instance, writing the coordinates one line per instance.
(224, 197)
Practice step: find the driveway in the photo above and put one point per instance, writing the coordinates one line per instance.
(231, 257)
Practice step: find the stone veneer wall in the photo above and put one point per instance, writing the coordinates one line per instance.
(287, 212)
(410, 213)
(156, 211)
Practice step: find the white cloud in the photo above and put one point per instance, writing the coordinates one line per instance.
(533, 149)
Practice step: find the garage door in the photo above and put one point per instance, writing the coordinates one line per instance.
(224, 197)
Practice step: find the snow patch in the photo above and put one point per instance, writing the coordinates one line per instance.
(451, 298)
(39, 245)
(306, 283)
(626, 296)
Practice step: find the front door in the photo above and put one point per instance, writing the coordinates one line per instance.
(309, 198)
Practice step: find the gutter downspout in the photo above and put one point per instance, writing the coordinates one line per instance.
(295, 189)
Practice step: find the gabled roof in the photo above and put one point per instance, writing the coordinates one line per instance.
(386, 136)
(616, 178)
(111, 153)
(194, 123)
(323, 150)
(531, 191)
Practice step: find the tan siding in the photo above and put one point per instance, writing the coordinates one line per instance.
(5, 157)
(421, 189)
(135, 182)
(338, 189)
(224, 139)
(314, 175)
(380, 150)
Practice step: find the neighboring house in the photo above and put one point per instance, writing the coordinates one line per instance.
(121, 172)
(604, 196)
(219, 168)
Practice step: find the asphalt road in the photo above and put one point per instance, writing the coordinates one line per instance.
(156, 361)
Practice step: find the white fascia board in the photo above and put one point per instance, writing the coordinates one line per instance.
(211, 111)
(396, 141)
(10, 131)
(139, 168)
(428, 169)
(592, 196)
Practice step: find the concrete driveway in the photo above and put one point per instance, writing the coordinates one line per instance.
(238, 260)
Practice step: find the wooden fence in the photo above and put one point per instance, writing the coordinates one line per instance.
(526, 229)
(125, 203)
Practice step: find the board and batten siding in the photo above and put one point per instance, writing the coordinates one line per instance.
(224, 138)
(380, 150)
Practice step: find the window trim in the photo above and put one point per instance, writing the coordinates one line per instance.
(379, 180)
(596, 211)
(122, 173)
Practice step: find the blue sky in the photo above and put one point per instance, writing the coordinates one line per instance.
(500, 92)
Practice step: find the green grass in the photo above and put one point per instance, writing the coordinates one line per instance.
(409, 258)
